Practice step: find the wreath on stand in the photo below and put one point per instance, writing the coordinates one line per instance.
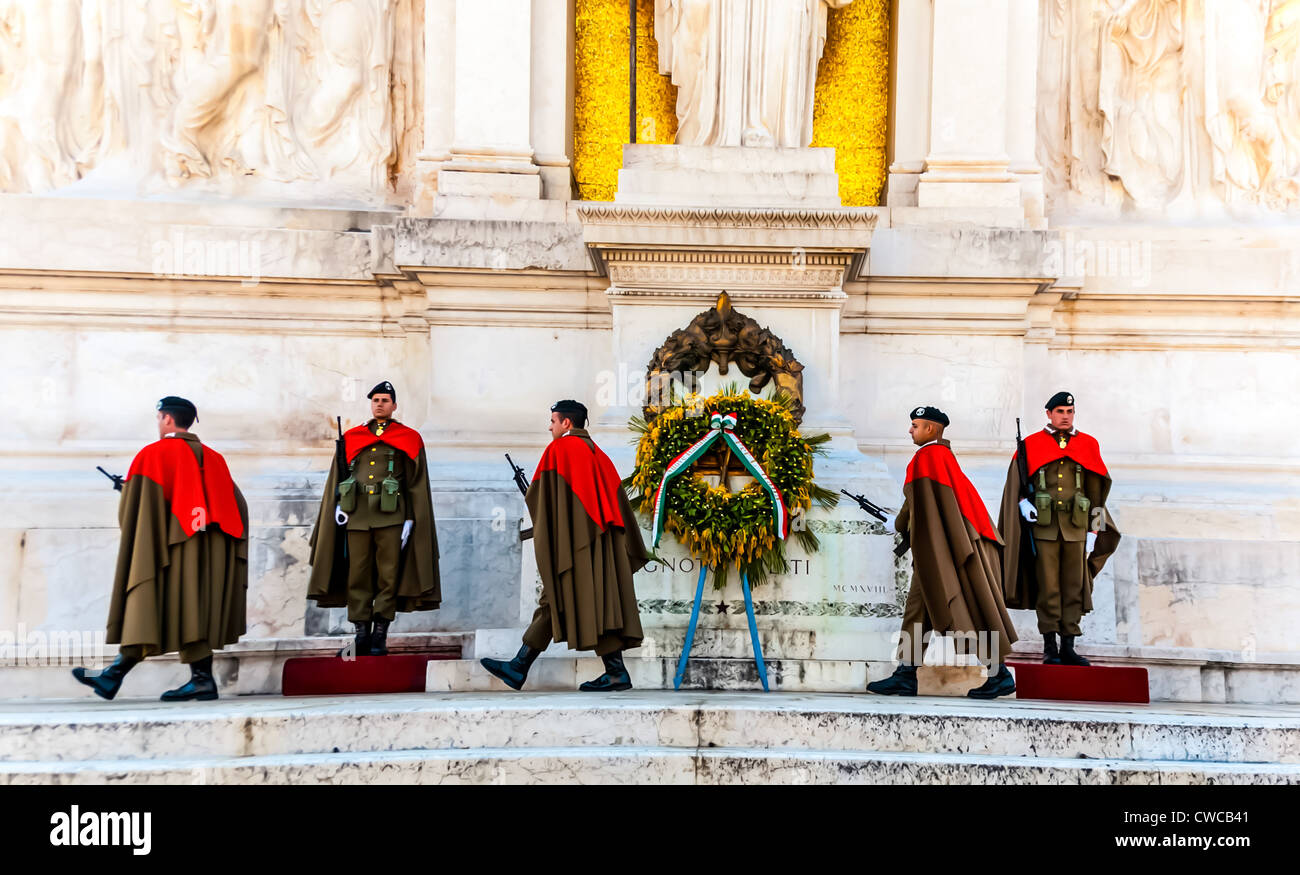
(729, 431)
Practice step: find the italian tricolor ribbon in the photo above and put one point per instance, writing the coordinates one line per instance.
(720, 427)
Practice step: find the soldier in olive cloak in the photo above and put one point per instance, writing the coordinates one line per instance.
(956, 565)
(1066, 521)
(588, 546)
(375, 546)
(182, 563)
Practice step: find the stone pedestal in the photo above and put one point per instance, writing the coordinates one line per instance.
(727, 176)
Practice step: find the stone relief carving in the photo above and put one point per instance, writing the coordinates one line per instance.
(745, 70)
(726, 337)
(1185, 107)
(231, 96)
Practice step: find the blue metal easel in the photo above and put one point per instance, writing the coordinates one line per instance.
(695, 618)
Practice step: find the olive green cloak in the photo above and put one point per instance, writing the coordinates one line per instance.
(586, 566)
(173, 587)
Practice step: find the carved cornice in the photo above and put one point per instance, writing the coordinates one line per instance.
(730, 277)
(848, 219)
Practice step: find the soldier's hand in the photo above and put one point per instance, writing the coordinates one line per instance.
(1090, 541)
(406, 530)
(1028, 511)
(339, 516)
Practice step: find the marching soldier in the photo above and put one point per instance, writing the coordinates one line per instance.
(588, 546)
(383, 511)
(182, 563)
(956, 568)
(1073, 533)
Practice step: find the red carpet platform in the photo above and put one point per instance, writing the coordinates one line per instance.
(1081, 683)
(335, 676)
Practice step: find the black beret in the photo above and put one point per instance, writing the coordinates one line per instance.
(933, 414)
(572, 409)
(1060, 399)
(384, 387)
(174, 403)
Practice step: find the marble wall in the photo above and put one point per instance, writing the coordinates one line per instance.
(274, 262)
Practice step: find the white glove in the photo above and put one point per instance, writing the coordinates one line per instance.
(339, 516)
(890, 528)
(1028, 511)
(1090, 540)
(406, 531)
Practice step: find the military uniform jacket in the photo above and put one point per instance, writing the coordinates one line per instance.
(1071, 484)
(391, 459)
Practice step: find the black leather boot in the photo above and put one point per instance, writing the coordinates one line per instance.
(615, 677)
(515, 672)
(360, 645)
(1050, 655)
(901, 683)
(201, 686)
(109, 681)
(1068, 656)
(379, 637)
(1000, 684)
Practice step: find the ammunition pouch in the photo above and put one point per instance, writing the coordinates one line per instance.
(348, 495)
(1082, 505)
(390, 490)
(1043, 500)
(389, 493)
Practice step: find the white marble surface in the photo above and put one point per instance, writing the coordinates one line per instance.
(644, 738)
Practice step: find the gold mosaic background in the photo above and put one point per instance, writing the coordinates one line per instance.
(850, 104)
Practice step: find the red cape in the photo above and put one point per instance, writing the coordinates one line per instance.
(403, 437)
(936, 462)
(193, 494)
(1042, 449)
(591, 476)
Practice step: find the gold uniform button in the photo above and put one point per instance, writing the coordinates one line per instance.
(372, 476)
(1058, 489)
(372, 461)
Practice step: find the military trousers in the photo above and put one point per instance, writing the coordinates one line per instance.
(538, 635)
(373, 558)
(917, 632)
(1061, 578)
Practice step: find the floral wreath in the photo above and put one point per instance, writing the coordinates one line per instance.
(717, 526)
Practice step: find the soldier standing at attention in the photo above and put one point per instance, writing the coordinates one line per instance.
(182, 567)
(1073, 533)
(385, 511)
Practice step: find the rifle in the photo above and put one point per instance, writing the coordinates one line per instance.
(116, 478)
(863, 502)
(1026, 489)
(879, 513)
(339, 564)
(521, 480)
(340, 456)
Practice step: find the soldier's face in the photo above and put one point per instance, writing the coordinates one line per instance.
(1061, 418)
(559, 425)
(166, 425)
(382, 406)
(923, 431)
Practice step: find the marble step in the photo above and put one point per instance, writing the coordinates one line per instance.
(642, 765)
(251, 667)
(564, 673)
(138, 731)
